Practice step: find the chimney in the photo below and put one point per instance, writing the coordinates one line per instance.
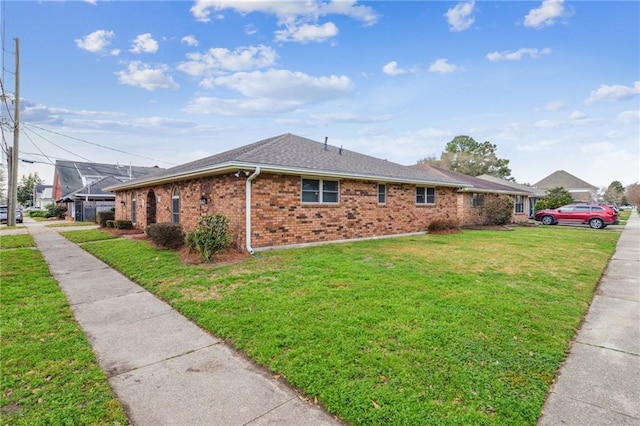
(326, 138)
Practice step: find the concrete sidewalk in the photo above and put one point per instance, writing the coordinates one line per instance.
(599, 383)
(164, 369)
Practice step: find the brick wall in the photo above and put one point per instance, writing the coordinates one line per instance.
(280, 218)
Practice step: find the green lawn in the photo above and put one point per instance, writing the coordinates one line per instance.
(49, 373)
(466, 328)
(64, 224)
(86, 235)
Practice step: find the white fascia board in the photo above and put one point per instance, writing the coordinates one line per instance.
(234, 166)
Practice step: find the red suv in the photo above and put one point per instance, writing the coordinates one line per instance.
(597, 216)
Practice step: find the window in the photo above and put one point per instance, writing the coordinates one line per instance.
(175, 205)
(477, 200)
(133, 208)
(519, 204)
(582, 209)
(382, 193)
(425, 195)
(320, 191)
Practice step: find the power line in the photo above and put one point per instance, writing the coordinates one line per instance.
(37, 147)
(97, 144)
(56, 145)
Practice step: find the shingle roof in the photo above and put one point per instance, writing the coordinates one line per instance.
(296, 154)
(70, 173)
(535, 191)
(565, 180)
(477, 183)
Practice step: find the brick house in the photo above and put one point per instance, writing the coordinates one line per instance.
(471, 200)
(289, 190)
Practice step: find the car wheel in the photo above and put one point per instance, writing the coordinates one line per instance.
(596, 223)
(547, 220)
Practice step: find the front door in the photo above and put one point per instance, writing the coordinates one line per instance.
(151, 207)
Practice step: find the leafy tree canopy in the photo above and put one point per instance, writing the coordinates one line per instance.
(554, 198)
(26, 187)
(464, 155)
(632, 194)
(614, 193)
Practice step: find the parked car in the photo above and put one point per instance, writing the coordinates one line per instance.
(4, 214)
(596, 216)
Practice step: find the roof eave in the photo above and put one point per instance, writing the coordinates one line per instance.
(234, 166)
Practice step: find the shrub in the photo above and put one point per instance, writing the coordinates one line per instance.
(104, 217)
(498, 210)
(210, 237)
(168, 235)
(38, 213)
(443, 226)
(123, 224)
(110, 223)
(56, 211)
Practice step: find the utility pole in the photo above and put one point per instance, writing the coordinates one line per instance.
(12, 199)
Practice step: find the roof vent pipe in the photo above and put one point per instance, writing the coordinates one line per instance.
(340, 150)
(326, 138)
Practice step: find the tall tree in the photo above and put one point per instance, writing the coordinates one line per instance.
(464, 155)
(614, 193)
(632, 194)
(26, 188)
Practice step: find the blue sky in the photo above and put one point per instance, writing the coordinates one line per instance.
(554, 84)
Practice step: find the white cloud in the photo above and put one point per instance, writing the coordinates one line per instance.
(250, 29)
(613, 93)
(459, 17)
(144, 43)
(299, 18)
(629, 116)
(307, 32)
(518, 54)
(577, 115)
(93, 2)
(308, 11)
(270, 92)
(190, 40)
(392, 69)
(546, 14)
(96, 42)
(556, 105)
(287, 85)
(443, 66)
(139, 74)
(219, 60)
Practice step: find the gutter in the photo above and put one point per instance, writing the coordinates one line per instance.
(247, 225)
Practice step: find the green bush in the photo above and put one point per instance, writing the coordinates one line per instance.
(39, 213)
(443, 226)
(498, 210)
(110, 223)
(123, 224)
(104, 217)
(56, 211)
(168, 235)
(210, 237)
(554, 198)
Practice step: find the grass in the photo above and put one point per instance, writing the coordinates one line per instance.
(437, 329)
(16, 241)
(66, 223)
(49, 373)
(86, 235)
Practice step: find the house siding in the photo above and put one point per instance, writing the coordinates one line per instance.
(279, 217)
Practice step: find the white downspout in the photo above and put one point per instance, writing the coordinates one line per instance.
(247, 225)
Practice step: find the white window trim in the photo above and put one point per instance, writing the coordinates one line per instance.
(384, 185)
(426, 203)
(175, 214)
(320, 191)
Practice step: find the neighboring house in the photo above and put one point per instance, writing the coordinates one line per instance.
(535, 194)
(289, 190)
(579, 189)
(79, 186)
(43, 196)
(471, 200)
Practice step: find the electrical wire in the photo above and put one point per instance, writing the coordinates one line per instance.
(58, 146)
(37, 147)
(97, 144)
